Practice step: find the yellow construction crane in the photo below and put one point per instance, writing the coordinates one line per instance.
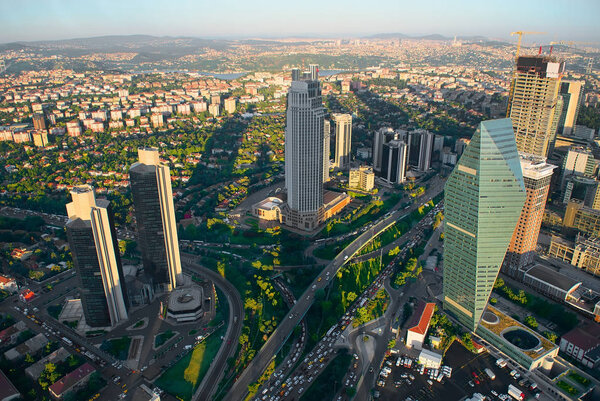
(512, 81)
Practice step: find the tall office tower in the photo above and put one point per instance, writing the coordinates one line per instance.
(326, 150)
(484, 196)
(393, 162)
(533, 102)
(39, 121)
(304, 152)
(438, 148)
(426, 150)
(155, 217)
(536, 178)
(95, 250)
(343, 139)
(572, 95)
(380, 138)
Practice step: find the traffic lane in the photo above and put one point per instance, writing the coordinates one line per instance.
(236, 318)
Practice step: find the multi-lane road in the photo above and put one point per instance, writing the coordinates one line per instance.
(261, 360)
(234, 329)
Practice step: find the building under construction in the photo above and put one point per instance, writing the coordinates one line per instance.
(533, 106)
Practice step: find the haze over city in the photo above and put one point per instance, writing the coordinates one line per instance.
(308, 201)
(233, 19)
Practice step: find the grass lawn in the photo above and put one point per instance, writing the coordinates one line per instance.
(567, 387)
(182, 379)
(162, 338)
(576, 377)
(139, 324)
(117, 347)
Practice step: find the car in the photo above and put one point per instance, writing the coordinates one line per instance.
(494, 392)
(471, 383)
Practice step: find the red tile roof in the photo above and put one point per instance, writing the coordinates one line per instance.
(71, 379)
(423, 313)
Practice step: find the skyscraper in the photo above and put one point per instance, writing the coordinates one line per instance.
(521, 250)
(426, 150)
(326, 150)
(343, 139)
(393, 162)
(484, 196)
(155, 218)
(380, 138)
(93, 243)
(533, 103)
(304, 140)
(572, 95)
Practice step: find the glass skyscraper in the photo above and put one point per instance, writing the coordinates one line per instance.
(484, 196)
(155, 218)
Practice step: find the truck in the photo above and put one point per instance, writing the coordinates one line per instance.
(515, 393)
(490, 374)
(501, 363)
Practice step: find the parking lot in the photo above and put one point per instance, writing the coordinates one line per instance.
(468, 377)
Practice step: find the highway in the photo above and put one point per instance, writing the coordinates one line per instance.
(261, 360)
(217, 368)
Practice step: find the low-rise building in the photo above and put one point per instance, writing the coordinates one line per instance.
(143, 393)
(549, 282)
(362, 178)
(583, 253)
(8, 284)
(582, 218)
(583, 344)
(430, 359)
(30, 347)
(34, 371)
(10, 334)
(8, 391)
(71, 381)
(419, 324)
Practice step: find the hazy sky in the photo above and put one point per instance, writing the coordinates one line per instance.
(22, 20)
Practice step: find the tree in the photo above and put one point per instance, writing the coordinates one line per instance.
(29, 358)
(531, 322)
(391, 343)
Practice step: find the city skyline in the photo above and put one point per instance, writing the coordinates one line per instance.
(65, 19)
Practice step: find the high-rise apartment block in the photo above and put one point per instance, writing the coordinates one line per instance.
(230, 104)
(155, 218)
(39, 121)
(95, 250)
(40, 138)
(572, 96)
(326, 148)
(304, 141)
(343, 139)
(521, 250)
(420, 149)
(532, 106)
(484, 197)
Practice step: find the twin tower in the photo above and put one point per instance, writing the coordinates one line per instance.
(94, 246)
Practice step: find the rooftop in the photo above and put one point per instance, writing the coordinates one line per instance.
(420, 320)
(586, 337)
(7, 389)
(71, 379)
(553, 278)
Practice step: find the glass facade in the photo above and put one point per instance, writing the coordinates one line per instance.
(484, 197)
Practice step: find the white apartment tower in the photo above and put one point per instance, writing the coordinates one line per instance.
(343, 140)
(326, 150)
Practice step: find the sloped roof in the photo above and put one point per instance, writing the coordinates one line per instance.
(423, 314)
